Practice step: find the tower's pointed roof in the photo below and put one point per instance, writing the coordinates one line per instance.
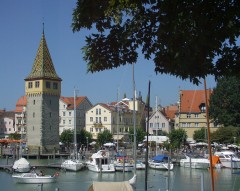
(43, 67)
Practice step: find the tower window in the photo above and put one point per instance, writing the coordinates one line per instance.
(30, 85)
(33, 114)
(55, 85)
(34, 101)
(50, 114)
(48, 84)
(37, 84)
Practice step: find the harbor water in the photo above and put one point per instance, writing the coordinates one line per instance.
(180, 179)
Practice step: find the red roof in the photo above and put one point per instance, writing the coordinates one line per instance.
(190, 100)
(70, 101)
(22, 102)
(170, 111)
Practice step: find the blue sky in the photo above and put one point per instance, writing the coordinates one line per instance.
(20, 34)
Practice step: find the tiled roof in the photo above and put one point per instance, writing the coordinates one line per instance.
(190, 100)
(43, 67)
(170, 111)
(22, 102)
(9, 114)
(70, 101)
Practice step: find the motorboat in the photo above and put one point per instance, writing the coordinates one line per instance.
(116, 186)
(33, 178)
(124, 164)
(161, 162)
(228, 159)
(195, 161)
(140, 165)
(72, 165)
(100, 162)
(21, 165)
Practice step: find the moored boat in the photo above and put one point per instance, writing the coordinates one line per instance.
(116, 186)
(100, 162)
(33, 178)
(124, 164)
(21, 165)
(161, 162)
(195, 162)
(228, 159)
(72, 165)
(140, 165)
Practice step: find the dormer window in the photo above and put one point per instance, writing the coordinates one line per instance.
(203, 107)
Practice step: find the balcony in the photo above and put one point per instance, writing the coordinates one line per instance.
(99, 124)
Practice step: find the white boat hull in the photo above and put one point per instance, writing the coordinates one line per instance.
(33, 178)
(229, 164)
(160, 165)
(195, 163)
(72, 165)
(124, 167)
(103, 168)
(228, 159)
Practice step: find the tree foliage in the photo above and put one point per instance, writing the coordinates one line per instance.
(104, 137)
(226, 134)
(83, 137)
(66, 137)
(200, 135)
(140, 134)
(15, 136)
(189, 39)
(225, 102)
(177, 137)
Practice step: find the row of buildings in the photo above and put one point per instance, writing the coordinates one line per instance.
(42, 114)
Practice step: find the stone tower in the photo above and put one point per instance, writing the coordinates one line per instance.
(43, 90)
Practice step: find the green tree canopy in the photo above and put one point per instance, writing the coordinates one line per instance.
(189, 39)
(140, 134)
(83, 137)
(225, 102)
(15, 136)
(104, 137)
(200, 135)
(66, 137)
(177, 137)
(226, 134)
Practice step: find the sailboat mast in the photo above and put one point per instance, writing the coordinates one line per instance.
(75, 131)
(117, 121)
(22, 126)
(156, 126)
(209, 139)
(134, 119)
(147, 130)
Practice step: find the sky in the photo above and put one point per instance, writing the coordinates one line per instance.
(20, 35)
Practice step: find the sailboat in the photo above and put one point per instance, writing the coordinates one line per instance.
(73, 164)
(21, 165)
(123, 185)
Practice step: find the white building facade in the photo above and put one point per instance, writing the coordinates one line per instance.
(66, 112)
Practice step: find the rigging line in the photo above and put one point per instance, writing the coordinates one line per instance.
(190, 110)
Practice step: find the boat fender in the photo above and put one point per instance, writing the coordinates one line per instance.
(56, 174)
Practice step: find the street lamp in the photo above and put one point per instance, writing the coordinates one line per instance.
(87, 143)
